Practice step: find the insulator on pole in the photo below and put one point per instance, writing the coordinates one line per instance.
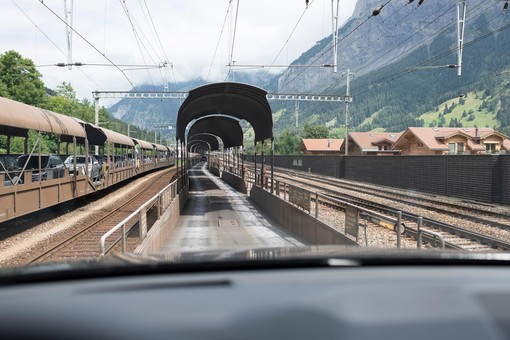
(420, 2)
(377, 11)
(505, 6)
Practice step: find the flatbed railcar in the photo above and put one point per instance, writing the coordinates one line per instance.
(120, 156)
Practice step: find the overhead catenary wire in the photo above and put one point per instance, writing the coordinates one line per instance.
(161, 54)
(53, 42)
(97, 50)
(329, 49)
(139, 42)
(290, 36)
(231, 58)
(89, 43)
(403, 73)
(475, 11)
(412, 35)
(219, 40)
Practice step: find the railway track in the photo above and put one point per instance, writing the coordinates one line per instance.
(477, 215)
(455, 237)
(84, 243)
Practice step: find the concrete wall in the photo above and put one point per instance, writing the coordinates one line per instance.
(214, 170)
(297, 221)
(236, 182)
(161, 229)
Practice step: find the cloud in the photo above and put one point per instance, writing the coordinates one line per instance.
(189, 31)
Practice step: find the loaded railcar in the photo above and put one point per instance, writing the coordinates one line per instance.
(25, 189)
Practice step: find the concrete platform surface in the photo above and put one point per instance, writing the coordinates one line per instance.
(218, 217)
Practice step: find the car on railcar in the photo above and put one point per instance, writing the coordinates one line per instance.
(51, 166)
(94, 168)
(9, 167)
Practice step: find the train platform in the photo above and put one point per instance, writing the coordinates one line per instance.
(218, 217)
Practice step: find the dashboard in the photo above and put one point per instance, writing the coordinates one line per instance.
(383, 302)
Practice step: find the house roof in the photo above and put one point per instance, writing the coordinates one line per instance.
(433, 138)
(368, 141)
(506, 144)
(476, 146)
(320, 145)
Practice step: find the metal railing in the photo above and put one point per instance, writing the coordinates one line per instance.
(162, 200)
(434, 235)
(280, 187)
(392, 223)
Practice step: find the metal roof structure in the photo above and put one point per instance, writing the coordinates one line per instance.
(99, 136)
(225, 128)
(210, 139)
(16, 119)
(143, 144)
(236, 100)
(160, 147)
(200, 144)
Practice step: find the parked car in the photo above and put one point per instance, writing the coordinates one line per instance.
(94, 168)
(52, 166)
(9, 166)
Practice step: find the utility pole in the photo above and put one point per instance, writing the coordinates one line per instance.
(297, 113)
(96, 118)
(69, 32)
(461, 23)
(347, 97)
(334, 23)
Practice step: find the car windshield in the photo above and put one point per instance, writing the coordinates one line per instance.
(32, 162)
(79, 160)
(8, 163)
(243, 128)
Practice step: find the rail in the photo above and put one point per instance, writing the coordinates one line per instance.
(163, 199)
(303, 198)
(434, 235)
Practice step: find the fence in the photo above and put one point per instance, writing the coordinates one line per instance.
(161, 201)
(484, 178)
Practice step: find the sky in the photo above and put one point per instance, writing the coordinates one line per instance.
(183, 33)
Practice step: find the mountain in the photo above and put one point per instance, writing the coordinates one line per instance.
(390, 91)
(398, 60)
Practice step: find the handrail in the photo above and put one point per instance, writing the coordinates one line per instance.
(387, 222)
(366, 212)
(122, 224)
(430, 233)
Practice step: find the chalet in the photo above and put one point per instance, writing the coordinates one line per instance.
(325, 146)
(451, 141)
(372, 143)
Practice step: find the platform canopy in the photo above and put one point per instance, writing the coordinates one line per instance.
(210, 139)
(237, 100)
(225, 128)
(198, 145)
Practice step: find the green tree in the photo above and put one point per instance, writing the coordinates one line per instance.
(287, 143)
(66, 102)
(21, 80)
(314, 131)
